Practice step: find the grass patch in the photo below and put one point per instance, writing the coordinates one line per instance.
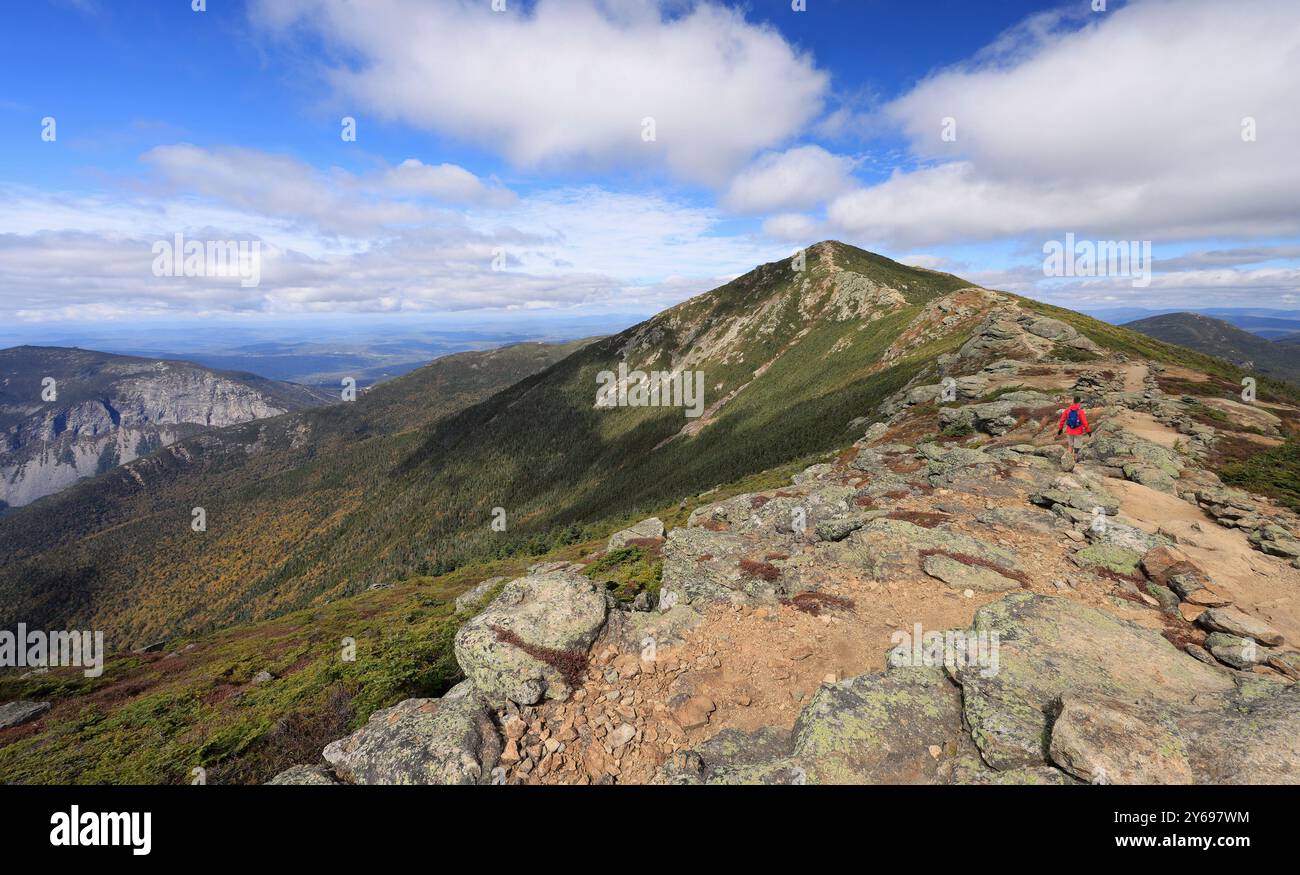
(629, 571)
(1274, 472)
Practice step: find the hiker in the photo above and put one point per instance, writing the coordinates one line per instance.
(1074, 422)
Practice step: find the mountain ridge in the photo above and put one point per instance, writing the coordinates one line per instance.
(70, 413)
(748, 633)
(1224, 340)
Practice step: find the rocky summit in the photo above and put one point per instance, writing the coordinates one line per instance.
(952, 599)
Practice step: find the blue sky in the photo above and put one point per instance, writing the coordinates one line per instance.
(502, 161)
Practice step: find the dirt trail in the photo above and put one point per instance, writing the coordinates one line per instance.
(1135, 376)
(1145, 426)
(1262, 585)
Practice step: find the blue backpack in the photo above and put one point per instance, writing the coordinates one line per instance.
(1072, 418)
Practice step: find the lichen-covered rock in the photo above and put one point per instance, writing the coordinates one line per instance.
(1116, 560)
(650, 528)
(1255, 741)
(1240, 653)
(305, 775)
(889, 549)
(1050, 647)
(531, 640)
(736, 757)
(872, 729)
(961, 576)
(1108, 743)
(472, 598)
(420, 741)
(878, 728)
(702, 566)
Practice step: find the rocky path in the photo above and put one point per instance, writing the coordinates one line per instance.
(921, 610)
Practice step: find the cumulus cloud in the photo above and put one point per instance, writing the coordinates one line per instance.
(335, 201)
(1127, 125)
(91, 256)
(571, 82)
(796, 179)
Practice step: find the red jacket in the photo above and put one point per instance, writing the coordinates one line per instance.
(1083, 421)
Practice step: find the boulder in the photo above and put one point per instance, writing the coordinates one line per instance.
(472, 598)
(420, 741)
(889, 549)
(1234, 622)
(648, 529)
(1050, 647)
(876, 728)
(961, 576)
(1240, 653)
(1106, 742)
(305, 775)
(1166, 561)
(1116, 560)
(531, 642)
(22, 711)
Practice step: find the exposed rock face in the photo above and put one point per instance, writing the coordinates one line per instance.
(1051, 646)
(532, 640)
(109, 410)
(17, 713)
(651, 528)
(1108, 743)
(305, 775)
(451, 740)
(474, 596)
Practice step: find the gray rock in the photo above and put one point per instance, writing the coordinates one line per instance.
(1240, 653)
(305, 775)
(960, 576)
(650, 528)
(22, 711)
(472, 598)
(1050, 647)
(532, 639)
(1105, 742)
(420, 741)
(1234, 622)
(889, 549)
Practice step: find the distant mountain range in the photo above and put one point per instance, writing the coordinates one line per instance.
(1268, 323)
(73, 413)
(1249, 351)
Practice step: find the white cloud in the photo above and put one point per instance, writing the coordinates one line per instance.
(444, 182)
(1128, 127)
(570, 83)
(336, 201)
(90, 256)
(797, 179)
(792, 227)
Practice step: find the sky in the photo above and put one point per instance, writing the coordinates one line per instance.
(572, 158)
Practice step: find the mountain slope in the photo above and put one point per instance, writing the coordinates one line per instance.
(103, 410)
(789, 359)
(756, 642)
(119, 551)
(1218, 338)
